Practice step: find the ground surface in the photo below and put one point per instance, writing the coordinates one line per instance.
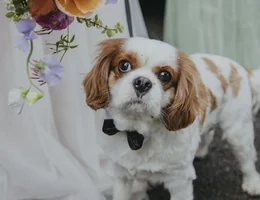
(218, 175)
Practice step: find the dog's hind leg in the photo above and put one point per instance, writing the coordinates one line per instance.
(241, 138)
(206, 140)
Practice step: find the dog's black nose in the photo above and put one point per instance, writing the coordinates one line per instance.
(142, 85)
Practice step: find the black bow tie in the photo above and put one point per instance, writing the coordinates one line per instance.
(135, 139)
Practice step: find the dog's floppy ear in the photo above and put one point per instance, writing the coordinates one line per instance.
(96, 82)
(185, 107)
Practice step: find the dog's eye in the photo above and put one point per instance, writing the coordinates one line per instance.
(164, 77)
(124, 66)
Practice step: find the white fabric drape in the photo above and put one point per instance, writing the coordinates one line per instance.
(50, 150)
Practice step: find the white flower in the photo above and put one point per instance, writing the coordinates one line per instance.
(26, 15)
(16, 99)
(9, 5)
(33, 97)
(8, 1)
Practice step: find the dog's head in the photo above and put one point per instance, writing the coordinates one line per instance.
(143, 77)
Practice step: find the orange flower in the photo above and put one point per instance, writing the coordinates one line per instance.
(40, 7)
(77, 7)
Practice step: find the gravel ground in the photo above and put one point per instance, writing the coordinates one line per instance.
(218, 176)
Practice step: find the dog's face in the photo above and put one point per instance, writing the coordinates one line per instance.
(142, 77)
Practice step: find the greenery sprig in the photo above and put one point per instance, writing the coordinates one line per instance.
(64, 44)
(19, 8)
(96, 22)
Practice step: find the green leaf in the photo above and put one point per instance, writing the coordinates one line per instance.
(96, 17)
(104, 31)
(110, 33)
(80, 20)
(118, 24)
(16, 18)
(60, 42)
(57, 46)
(74, 46)
(100, 23)
(20, 11)
(88, 24)
(9, 14)
(72, 39)
(63, 46)
(65, 38)
(121, 29)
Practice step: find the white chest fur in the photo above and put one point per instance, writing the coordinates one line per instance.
(164, 153)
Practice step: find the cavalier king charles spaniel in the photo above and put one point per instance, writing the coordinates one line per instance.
(165, 106)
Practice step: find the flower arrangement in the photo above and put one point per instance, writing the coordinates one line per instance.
(50, 15)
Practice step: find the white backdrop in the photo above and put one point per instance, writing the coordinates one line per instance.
(50, 151)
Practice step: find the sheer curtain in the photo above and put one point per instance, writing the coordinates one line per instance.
(50, 150)
(225, 27)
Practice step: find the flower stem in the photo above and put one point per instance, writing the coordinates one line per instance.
(65, 51)
(68, 37)
(27, 67)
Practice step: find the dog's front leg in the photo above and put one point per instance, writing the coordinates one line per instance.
(180, 189)
(122, 189)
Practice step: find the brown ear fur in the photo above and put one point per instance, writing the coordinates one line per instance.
(186, 106)
(96, 81)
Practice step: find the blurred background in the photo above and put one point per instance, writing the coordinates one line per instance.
(224, 27)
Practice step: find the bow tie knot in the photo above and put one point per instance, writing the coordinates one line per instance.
(135, 140)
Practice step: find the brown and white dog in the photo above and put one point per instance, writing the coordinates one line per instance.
(175, 101)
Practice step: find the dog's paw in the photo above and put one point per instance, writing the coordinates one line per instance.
(140, 196)
(201, 152)
(252, 185)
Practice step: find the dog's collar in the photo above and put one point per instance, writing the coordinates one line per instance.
(135, 139)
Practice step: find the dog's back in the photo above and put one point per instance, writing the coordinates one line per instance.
(229, 90)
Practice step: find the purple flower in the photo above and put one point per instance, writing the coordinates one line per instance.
(25, 26)
(111, 1)
(55, 20)
(50, 70)
(22, 44)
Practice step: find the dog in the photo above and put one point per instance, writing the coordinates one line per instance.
(174, 101)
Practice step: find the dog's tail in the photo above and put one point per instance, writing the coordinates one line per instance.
(254, 76)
